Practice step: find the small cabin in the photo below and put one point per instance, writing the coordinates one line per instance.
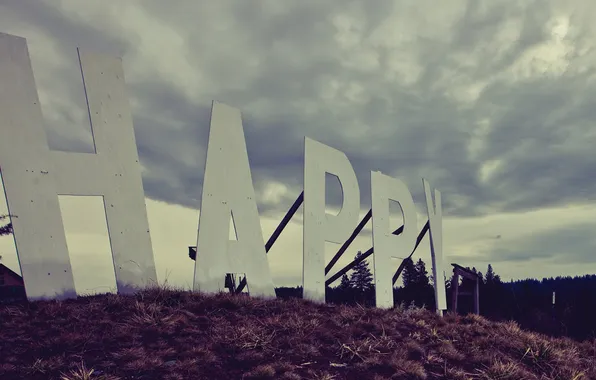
(459, 272)
(9, 278)
(12, 287)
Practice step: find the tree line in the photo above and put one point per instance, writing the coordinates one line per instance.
(529, 302)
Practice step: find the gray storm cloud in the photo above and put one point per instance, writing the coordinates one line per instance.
(444, 92)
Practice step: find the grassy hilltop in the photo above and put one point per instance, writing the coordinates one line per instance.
(170, 334)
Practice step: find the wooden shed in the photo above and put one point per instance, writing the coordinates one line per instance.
(9, 278)
(12, 287)
(459, 271)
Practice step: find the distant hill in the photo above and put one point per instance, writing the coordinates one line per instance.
(169, 334)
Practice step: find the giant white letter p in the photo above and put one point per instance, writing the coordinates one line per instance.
(319, 226)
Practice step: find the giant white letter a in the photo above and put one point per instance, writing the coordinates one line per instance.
(228, 193)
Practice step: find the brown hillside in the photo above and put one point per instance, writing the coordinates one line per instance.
(167, 334)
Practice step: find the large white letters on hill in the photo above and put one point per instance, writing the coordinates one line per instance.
(385, 189)
(435, 217)
(319, 226)
(228, 192)
(34, 176)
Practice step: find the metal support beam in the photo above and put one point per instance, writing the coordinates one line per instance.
(351, 265)
(347, 243)
(398, 231)
(418, 240)
(284, 222)
(459, 271)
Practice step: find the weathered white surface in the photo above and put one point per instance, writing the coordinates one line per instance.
(228, 191)
(318, 226)
(387, 245)
(435, 217)
(33, 175)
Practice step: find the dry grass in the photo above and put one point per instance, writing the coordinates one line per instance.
(169, 334)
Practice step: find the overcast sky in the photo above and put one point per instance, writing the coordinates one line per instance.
(493, 102)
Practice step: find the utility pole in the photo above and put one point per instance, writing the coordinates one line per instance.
(553, 307)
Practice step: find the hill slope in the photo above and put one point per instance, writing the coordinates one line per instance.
(167, 334)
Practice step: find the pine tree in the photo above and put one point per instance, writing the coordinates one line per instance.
(345, 283)
(409, 273)
(489, 277)
(362, 279)
(421, 274)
